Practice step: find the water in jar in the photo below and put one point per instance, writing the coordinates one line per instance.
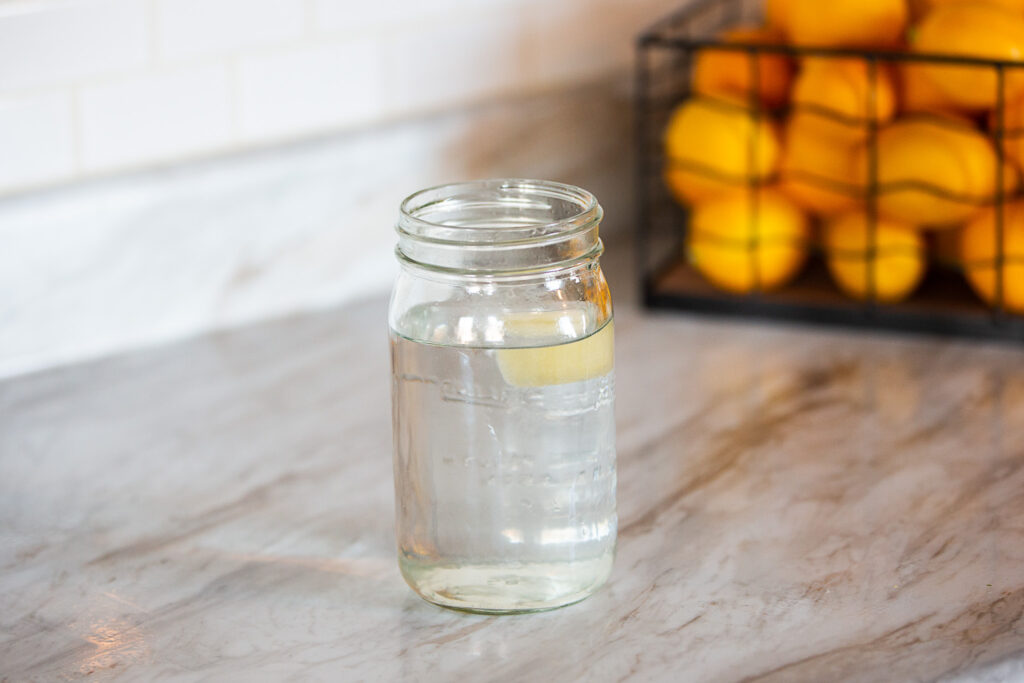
(504, 457)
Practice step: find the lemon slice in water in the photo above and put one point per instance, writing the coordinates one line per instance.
(558, 363)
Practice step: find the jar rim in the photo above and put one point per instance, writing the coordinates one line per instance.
(415, 212)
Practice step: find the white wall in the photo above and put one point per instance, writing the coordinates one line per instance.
(90, 87)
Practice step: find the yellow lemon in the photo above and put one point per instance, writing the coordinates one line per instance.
(844, 23)
(1013, 130)
(775, 13)
(817, 172)
(834, 96)
(919, 95)
(972, 29)
(729, 74)
(740, 249)
(896, 267)
(919, 8)
(933, 172)
(575, 361)
(714, 148)
(979, 255)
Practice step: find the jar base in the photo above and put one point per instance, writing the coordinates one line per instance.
(506, 588)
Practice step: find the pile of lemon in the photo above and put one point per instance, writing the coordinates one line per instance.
(765, 183)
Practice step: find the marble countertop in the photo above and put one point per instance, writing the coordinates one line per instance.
(795, 504)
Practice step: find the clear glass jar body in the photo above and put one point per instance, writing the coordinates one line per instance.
(503, 388)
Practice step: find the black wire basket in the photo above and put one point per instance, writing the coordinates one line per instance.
(943, 303)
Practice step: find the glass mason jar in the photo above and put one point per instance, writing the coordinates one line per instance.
(502, 388)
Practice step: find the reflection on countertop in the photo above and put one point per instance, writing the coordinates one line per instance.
(795, 504)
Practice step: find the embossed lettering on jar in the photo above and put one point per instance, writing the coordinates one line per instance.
(503, 388)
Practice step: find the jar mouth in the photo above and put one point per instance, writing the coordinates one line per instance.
(496, 212)
(499, 226)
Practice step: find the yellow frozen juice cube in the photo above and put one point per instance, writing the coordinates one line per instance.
(573, 361)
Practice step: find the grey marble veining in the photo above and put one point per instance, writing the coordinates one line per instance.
(795, 505)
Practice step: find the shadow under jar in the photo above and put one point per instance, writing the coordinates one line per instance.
(503, 387)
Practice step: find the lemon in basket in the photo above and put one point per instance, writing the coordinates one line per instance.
(834, 97)
(919, 8)
(978, 256)
(933, 171)
(542, 362)
(917, 93)
(842, 23)
(1013, 130)
(972, 29)
(716, 147)
(738, 246)
(729, 73)
(775, 13)
(817, 172)
(896, 267)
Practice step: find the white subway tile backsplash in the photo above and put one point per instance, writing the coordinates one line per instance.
(36, 139)
(46, 43)
(360, 15)
(189, 28)
(466, 59)
(149, 257)
(157, 80)
(155, 117)
(310, 89)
